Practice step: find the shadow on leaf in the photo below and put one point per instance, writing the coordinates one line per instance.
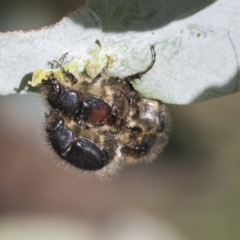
(232, 86)
(142, 15)
(24, 86)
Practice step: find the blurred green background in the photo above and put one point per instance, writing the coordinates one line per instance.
(192, 191)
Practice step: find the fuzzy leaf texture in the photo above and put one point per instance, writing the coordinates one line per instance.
(197, 43)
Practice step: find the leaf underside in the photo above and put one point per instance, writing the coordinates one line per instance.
(196, 43)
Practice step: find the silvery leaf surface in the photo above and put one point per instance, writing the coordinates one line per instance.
(196, 43)
(22, 52)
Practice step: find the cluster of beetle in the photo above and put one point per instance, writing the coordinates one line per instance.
(102, 122)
